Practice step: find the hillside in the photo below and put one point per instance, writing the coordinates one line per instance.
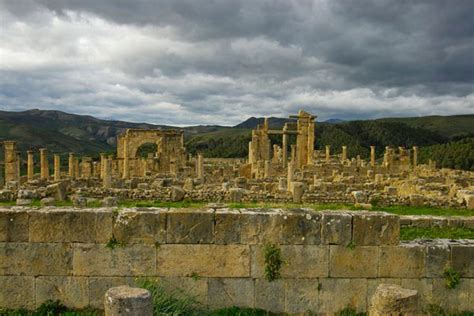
(62, 132)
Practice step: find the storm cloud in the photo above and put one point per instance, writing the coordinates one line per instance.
(219, 62)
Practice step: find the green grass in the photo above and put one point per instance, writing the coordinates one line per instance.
(166, 204)
(411, 233)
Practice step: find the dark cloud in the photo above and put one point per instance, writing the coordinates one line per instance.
(193, 62)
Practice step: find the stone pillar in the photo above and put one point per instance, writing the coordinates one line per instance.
(293, 153)
(372, 156)
(200, 167)
(102, 164)
(18, 165)
(284, 150)
(392, 299)
(125, 300)
(298, 191)
(415, 156)
(44, 165)
(71, 166)
(267, 169)
(107, 173)
(30, 165)
(57, 167)
(126, 167)
(344, 153)
(250, 154)
(290, 177)
(328, 153)
(76, 168)
(11, 166)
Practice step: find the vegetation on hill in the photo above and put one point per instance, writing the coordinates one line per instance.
(455, 155)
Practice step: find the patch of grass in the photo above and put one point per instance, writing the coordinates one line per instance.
(273, 262)
(436, 310)
(7, 203)
(48, 308)
(348, 311)
(113, 243)
(166, 204)
(94, 203)
(238, 311)
(451, 277)
(168, 301)
(411, 233)
(424, 210)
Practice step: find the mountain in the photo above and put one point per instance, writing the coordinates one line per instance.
(273, 122)
(333, 121)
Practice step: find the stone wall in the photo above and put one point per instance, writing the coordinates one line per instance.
(331, 259)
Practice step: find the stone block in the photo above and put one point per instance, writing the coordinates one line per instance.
(299, 227)
(424, 287)
(270, 296)
(462, 259)
(454, 300)
(85, 226)
(260, 226)
(437, 257)
(13, 226)
(336, 228)
(301, 296)
(100, 260)
(405, 261)
(140, 226)
(358, 262)
(177, 194)
(99, 285)
(203, 260)
(228, 292)
(35, 259)
(392, 299)
(17, 292)
(190, 227)
(227, 229)
(300, 261)
(125, 300)
(70, 291)
(337, 294)
(372, 284)
(371, 229)
(196, 287)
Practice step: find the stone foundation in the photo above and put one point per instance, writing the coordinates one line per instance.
(332, 260)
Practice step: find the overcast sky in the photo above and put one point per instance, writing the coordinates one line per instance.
(220, 62)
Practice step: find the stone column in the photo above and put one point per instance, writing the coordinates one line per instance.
(328, 153)
(284, 150)
(44, 165)
(125, 300)
(344, 153)
(200, 167)
(18, 165)
(11, 166)
(107, 173)
(290, 176)
(76, 168)
(267, 169)
(250, 154)
(372, 156)
(102, 164)
(71, 166)
(126, 167)
(293, 153)
(57, 167)
(30, 165)
(415, 156)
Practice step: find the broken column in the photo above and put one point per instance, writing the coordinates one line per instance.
(71, 165)
(328, 153)
(44, 165)
(125, 300)
(392, 299)
(18, 164)
(107, 173)
(344, 153)
(372, 156)
(11, 167)
(267, 169)
(200, 167)
(415, 156)
(57, 167)
(284, 150)
(102, 164)
(30, 165)
(290, 177)
(76, 168)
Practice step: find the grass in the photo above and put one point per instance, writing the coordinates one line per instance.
(165, 204)
(411, 233)
(48, 308)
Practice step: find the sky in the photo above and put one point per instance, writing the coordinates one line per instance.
(219, 62)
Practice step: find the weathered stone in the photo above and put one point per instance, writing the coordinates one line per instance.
(70, 291)
(23, 202)
(203, 260)
(227, 229)
(47, 202)
(228, 292)
(236, 195)
(114, 260)
(128, 301)
(110, 201)
(299, 227)
(469, 199)
(297, 191)
(416, 200)
(453, 300)
(190, 227)
(185, 287)
(99, 285)
(301, 296)
(17, 292)
(336, 228)
(391, 299)
(405, 261)
(372, 229)
(137, 227)
(177, 194)
(462, 259)
(26, 194)
(270, 296)
(58, 190)
(79, 201)
(13, 226)
(360, 261)
(437, 258)
(338, 294)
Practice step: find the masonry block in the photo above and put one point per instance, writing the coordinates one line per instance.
(462, 259)
(301, 295)
(260, 226)
(100, 260)
(337, 294)
(17, 292)
(437, 258)
(357, 262)
(300, 261)
(190, 227)
(405, 261)
(140, 227)
(35, 259)
(196, 287)
(424, 287)
(336, 228)
(228, 225)
(13, 226)
(70, 291)
(56, 225)
(270, 296)
(372, 229)
(459, 299)
(203, 260)
(299, 227)
(228, 292)
(99, 285)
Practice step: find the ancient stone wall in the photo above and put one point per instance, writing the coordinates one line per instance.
(332, 260)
